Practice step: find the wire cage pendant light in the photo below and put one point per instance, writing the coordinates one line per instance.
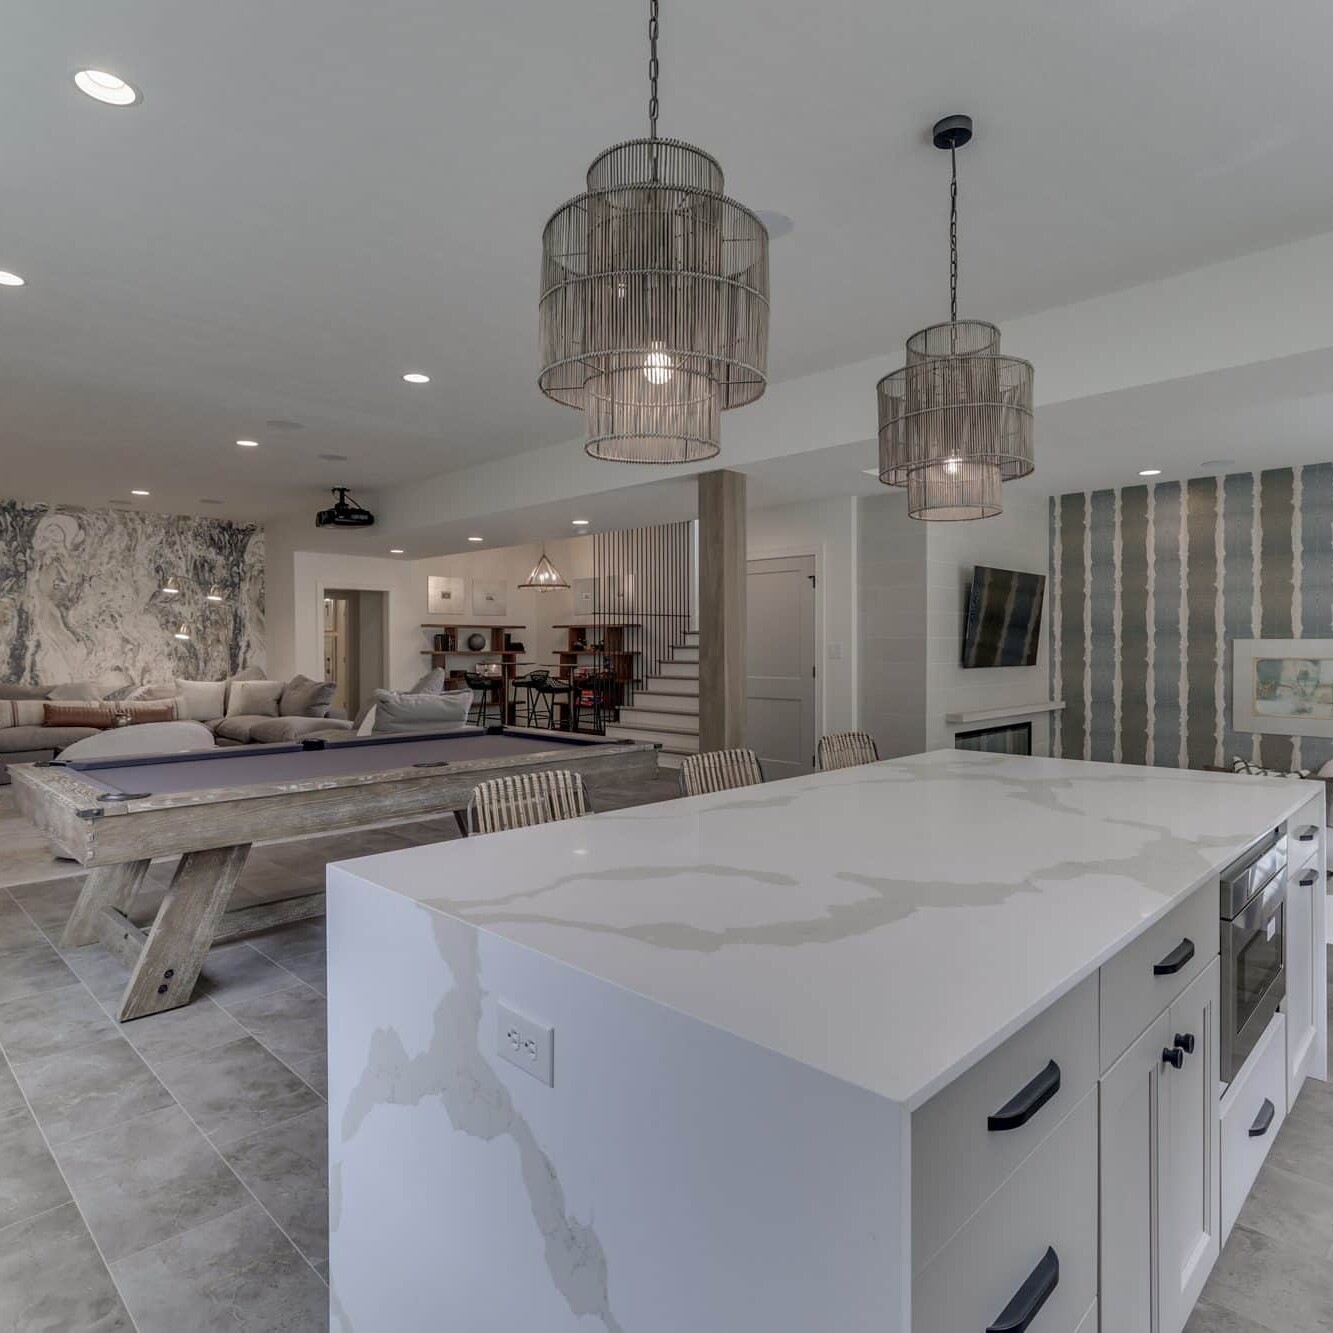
(956, 421)
(654, 299)
(544, 576)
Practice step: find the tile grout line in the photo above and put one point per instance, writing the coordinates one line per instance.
(74, 1199)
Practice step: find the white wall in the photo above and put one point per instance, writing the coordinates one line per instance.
(1016, 539)
(825, 529)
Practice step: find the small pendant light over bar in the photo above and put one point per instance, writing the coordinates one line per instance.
(654, 299)
(956, 420)
(544, 576)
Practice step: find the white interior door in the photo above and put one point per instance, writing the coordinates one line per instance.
(780, 664)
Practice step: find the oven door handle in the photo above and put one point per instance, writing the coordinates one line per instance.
(1265, 907)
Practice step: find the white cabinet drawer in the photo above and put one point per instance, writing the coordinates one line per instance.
(1047, 1207)
(1249, 1126)
(1143, 979)
(970, 1137)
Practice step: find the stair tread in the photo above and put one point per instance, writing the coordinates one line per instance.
(653, 726)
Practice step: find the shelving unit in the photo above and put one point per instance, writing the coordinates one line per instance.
(620, 660)
(507, 657)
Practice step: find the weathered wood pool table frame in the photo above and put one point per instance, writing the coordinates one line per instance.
(212, 829)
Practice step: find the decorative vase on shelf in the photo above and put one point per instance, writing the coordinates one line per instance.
(476, 642)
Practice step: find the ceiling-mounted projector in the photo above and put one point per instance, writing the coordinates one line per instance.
(344, 513)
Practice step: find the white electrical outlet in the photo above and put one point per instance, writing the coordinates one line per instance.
(835, 651)
(526, 1043)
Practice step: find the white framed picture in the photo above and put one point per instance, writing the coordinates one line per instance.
(1282, 687)
(488, 598)
(445, 594)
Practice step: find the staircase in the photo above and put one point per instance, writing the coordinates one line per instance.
(666, 710)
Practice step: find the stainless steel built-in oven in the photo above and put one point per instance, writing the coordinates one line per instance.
(1254, 975)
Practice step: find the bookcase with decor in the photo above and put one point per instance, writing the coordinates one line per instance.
(460, 648)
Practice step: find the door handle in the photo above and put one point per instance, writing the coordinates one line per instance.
(1026, 1102)
(1030, 1297)
(1264, 1120)
(1175, 960)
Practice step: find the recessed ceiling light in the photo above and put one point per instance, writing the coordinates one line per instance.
(416, 377)
(476, 539)
(8, 279)
(334, 458)
(248, 444)
(1151, 472)
(579, 522)
(140, 492)
(395, 550)
(108, 88)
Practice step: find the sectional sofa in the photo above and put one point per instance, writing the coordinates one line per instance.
(38, 721)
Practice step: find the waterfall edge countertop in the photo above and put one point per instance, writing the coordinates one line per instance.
(888, 925)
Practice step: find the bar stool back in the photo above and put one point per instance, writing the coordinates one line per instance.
(525, 799)
(719, 770)
(847, 749)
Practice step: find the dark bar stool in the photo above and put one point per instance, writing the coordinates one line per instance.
(483, 688)
(592, 700)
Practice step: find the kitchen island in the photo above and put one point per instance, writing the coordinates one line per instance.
(846, 1052)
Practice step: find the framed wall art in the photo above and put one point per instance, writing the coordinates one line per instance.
(1282, 687)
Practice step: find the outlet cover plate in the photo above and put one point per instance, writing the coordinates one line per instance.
(525, 1043)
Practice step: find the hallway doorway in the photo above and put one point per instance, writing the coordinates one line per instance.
(355, 645)
(780, 658)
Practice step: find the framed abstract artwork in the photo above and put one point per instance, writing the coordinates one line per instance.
(444, 595)
(1283, 687)
(489, 598)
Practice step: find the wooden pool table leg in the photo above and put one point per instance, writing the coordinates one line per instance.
(182, 931)
(106, 886)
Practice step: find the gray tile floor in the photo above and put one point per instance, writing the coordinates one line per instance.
(169, 1175)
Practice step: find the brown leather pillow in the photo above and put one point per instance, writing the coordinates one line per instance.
(156, 710)
(78, 714)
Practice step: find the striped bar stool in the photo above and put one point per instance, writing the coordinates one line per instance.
(719, 770)
(525, 799)
(847, 749)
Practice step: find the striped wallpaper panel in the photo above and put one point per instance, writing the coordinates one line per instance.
(1151, 584)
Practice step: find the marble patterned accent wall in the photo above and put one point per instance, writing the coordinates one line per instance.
(80, 594)
(1151, 586)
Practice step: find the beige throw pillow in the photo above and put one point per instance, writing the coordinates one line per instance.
(201, 700)
(419, 712)
(254, 698)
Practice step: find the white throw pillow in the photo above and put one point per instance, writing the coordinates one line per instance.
(254, 698)
(201, 700)
(396, 712)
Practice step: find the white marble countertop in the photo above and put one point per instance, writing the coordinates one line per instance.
(888, 925)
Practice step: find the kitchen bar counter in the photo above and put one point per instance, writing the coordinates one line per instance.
(750, 996)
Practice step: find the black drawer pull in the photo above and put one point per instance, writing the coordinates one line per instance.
(1030, 1297)
(1308, 878)
(1027, 1101)
(1173, 1056)
(1185, 1042)
(1307, 833)
(1175, 960)
(1263, 1122)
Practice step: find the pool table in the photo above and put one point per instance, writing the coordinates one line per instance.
(114, 815)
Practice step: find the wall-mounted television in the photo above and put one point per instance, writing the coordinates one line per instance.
(1003, 618)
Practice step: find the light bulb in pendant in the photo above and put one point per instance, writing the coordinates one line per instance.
(657, 368)
(951, 467)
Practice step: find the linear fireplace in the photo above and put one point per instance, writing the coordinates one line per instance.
(1013, 738)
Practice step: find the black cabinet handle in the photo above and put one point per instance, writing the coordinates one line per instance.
(1173, 1056)
(1175, 960)
(1185, 1041)
(1030, 1297)
(1264, 1120)
(1308, 878)
(1307, 833)
(1027, 1101)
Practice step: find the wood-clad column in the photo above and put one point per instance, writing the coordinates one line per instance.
(722, 570)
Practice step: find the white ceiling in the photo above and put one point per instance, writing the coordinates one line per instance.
(318, 195)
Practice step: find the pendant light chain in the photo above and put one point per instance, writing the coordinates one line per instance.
(953, 235)
(652, 69)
